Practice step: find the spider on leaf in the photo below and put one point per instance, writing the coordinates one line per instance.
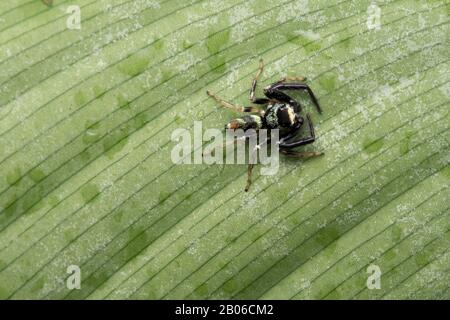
(275, 111)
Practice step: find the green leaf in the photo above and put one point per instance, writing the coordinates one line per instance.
(86, 176)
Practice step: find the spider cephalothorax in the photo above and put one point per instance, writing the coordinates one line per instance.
(281, 112)
(280, 116)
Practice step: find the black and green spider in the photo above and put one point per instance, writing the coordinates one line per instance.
(281, 112)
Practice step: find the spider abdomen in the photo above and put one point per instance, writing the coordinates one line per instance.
(246, 122)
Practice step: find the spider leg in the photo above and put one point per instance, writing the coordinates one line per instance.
(224, 103)
(255, 81)
(249, 176)
(261, 101)
(303, 141)
(293, 131)
(297, 86)
(288, 78)
(229, 105)
(251, 165)
(273, 93)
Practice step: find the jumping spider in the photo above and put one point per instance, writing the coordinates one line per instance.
(281, 112)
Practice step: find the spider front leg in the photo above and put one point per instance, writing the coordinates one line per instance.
(276, 95)
(307, 140)
(284, 146)
(275, 91)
